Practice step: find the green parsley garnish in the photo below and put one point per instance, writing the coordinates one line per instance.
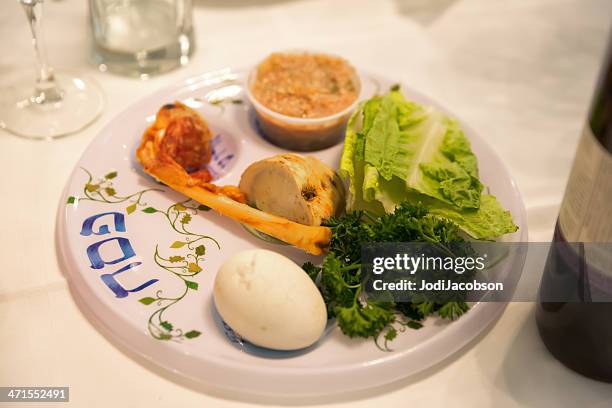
(339, 277)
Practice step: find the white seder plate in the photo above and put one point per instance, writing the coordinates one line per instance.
(156, 296)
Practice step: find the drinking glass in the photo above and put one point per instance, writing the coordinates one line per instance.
(141, 37)
(56, 104)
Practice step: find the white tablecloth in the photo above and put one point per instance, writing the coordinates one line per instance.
(521, 72)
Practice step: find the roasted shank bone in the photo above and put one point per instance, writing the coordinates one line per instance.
(158, 162)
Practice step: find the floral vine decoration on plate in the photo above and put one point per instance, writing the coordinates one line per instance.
(185, 266)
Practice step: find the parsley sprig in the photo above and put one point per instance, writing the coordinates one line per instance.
(339, 278)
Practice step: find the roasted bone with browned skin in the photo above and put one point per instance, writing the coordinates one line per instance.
(163, 160)
(183, 135)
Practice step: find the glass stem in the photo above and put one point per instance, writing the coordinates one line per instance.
(46, 90)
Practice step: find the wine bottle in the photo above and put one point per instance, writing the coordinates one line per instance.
(577, 329)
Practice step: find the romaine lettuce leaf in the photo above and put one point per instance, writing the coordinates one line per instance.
(396, 151)
(352, 166)
(425, 148)
(489, 221)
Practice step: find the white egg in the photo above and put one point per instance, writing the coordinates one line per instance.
(269, 300)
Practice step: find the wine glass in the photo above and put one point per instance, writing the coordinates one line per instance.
(57, 104)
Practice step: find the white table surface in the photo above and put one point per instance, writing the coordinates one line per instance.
(521, 72)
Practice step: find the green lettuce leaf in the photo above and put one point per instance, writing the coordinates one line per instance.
(487, 222)
(397, 151)
(424, 148)
(352, 165)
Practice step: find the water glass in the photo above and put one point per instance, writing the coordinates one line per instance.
(141, 37)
